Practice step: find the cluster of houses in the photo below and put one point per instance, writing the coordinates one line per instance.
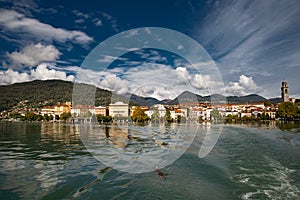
(191, 111)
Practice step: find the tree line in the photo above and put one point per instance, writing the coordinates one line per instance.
(30, 116)
(286, 111)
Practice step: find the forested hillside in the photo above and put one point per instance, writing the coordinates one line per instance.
(37, 92)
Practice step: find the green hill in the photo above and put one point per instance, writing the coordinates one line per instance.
(40, 93)
(37, 92)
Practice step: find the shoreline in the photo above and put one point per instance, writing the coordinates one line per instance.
(269, 124)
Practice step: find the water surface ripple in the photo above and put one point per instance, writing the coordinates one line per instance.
(49, 161)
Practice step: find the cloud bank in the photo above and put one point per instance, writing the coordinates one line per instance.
(162, 81)
(12, 21)
(41, 72)
(32, 55)
(244, 86)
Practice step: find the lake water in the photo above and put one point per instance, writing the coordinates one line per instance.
(51, 161)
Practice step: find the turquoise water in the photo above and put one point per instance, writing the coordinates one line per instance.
(49, 161)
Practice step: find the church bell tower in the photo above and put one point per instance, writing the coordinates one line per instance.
(284, 92)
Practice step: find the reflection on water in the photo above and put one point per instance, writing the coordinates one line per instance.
(35, 156)
(289, 126)
(137, 149)
(49, 161)
(293, 126)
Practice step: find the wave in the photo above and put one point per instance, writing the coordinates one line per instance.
(271, 180)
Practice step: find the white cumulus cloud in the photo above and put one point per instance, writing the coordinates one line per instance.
(13, 21)
(32, 55)
(114, 83)
(246, 85)
(182, 75)
(180, 47)
(200, 81)
(196, 80)
(41, 72)
(9, 77)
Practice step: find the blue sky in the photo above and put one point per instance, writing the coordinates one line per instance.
(254, 44)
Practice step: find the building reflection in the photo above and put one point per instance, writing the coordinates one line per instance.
(60, 132)
(118, 135)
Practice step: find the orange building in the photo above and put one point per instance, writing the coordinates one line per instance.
(60, 108)
(101, 110)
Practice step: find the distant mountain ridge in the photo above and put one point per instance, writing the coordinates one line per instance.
(60, 91)
(187, 96)
(146, 101)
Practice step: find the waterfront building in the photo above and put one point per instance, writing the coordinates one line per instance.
(161, 110)
(118, 109)
(75, 111)
(101, 110)
(149, 113)
(60, 108)
(173, 113)
(48, 110)
(245, 114)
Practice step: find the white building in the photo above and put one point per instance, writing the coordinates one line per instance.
(149, 113)
(161, 110)
(173, 114)
(118, 109)
(75, 111)
(184, 112)
(48, 110)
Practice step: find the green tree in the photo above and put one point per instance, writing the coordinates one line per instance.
(139, 115)
(215, 114)
(46, 117)
(287, 111)
(29, 116)
(180, 119)
(107, 119)
(22, 118)
(298, 110)
(15, 115)
(168, 116)
(155, 116)
(100, 118)
(260, 116)
(200, 119)
(38, 117)
(57, 117)
(65, 116)
(103, 119)
(234, 118)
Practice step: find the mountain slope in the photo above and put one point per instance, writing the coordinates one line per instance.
(145, 101)
(52, 91)
(252, 98)
(275, 100)
(39, 91)
(186, 97)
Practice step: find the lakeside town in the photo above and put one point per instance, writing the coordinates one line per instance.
(288, 109)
